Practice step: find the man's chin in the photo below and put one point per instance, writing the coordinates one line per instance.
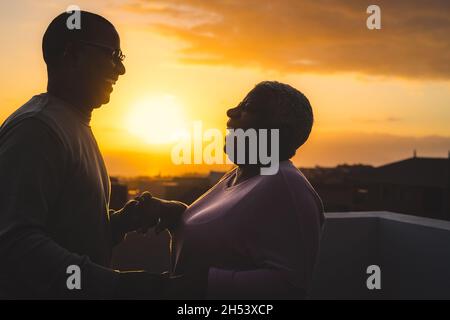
(101, 101)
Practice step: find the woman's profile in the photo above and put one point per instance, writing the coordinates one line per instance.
(253, 235)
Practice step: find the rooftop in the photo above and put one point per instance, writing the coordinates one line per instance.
(423, 172)
(412, 253)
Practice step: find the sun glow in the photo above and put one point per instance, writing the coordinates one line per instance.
(158, 120)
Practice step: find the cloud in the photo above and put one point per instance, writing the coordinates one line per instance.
(309, 36)
(378, 120)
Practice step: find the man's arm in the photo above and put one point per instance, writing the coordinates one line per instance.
(33, 265)
(123, 221)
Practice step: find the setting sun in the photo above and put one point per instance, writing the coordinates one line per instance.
(157, 120)
(185, 63)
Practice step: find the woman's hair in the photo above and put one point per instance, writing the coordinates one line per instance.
(289, 111)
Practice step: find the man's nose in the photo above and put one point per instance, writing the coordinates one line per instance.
(120, 68)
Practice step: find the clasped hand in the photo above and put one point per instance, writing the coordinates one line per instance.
(146, 211)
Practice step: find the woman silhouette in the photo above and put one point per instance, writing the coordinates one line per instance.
(253, 235)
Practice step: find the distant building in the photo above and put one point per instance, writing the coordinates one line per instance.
(417, 186)
(184, 188)
(337, 186)
(215, 176)
(155, 185)
(119, 194)
(187, 189)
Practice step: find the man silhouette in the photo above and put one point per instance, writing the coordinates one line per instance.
(55, 189)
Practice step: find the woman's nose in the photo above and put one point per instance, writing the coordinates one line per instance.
(233, 112)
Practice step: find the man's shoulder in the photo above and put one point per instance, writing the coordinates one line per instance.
(28, 131)
(33, 108)
(35, 118)
(29, 124)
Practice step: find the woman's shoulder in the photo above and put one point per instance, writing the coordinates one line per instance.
(287, 173)
(288, 192)
(296, 185)
(290, 174)
(227, 175)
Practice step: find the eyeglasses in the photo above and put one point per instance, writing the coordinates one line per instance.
(116, 54)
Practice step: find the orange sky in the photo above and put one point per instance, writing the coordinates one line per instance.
(377, 95)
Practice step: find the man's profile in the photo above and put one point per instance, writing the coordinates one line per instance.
(54, 209)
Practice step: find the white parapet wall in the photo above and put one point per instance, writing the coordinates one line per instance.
(413, 254)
